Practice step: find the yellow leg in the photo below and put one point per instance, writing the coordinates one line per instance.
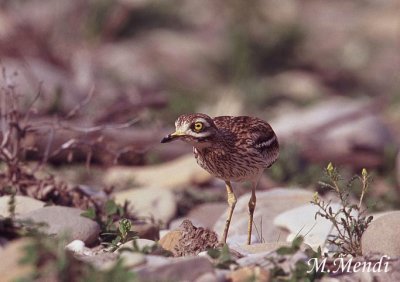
(252, 206)
(231, 202)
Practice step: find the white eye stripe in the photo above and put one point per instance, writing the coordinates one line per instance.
(265, 143)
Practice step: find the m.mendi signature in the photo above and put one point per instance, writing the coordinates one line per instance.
(341, 265)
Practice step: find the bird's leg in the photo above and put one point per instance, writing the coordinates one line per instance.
(231, 202)
(252, 206)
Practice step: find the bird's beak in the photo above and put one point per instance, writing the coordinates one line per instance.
(172, 136)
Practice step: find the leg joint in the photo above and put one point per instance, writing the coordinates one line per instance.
(232, 199)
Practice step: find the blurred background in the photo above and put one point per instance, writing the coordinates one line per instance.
(324, 74)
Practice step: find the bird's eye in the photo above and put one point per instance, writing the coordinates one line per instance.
(198, 126)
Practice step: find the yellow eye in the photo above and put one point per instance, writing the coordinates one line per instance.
(198, 126)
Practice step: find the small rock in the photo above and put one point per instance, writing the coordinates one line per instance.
(140, 243)
(382, 236)
(65, 220)
(23, 205)
(254, 273)
(10, 267)
(176, 269)
(171, 240)
(189, 240)
(76, 246)
(157, 202)
(269, 204)
(176, 174)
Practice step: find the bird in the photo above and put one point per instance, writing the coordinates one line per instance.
(232, 148)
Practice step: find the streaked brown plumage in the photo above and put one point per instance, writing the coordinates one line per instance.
(231, 148)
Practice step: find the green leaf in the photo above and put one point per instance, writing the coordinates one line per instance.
(111, 207)
(89, 213)
(296, 243)
(214, 253)
(225, 254)
(285, 251)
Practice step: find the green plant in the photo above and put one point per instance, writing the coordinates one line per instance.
(115, 223)
(53, 263)
(222, 257)
(350, 220)
(299, 270)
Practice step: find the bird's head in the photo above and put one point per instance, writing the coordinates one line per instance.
(195, 129)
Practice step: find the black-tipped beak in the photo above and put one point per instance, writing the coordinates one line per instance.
(171, 137)
(167, 139)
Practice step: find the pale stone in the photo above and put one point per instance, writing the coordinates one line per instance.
(65, 221)
(382, 235)
(10, 267)
(252, 273)
(176, 269)
(133, 259)
(260, 247)
(174, 175)
(23, 205)
(156, 202)
(302, 221)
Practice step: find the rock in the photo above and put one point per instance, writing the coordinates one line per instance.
(338, 130)
(207, 277)
(175, 175)
(156, 202)
(254, 273)
(206, 215)
(140, 243)
(398, 168)
(102, 261)
(65, 220)
(76, 246)
(133, 259)
(259, 248)
(10, 267)
(189, 240)
(23, 205)
(269, 205)
(203, 215)
(298, 85)
(176, 269)
(146, 230)
(382, 236)
(55, 82)
(302, 221)
(171, 240)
